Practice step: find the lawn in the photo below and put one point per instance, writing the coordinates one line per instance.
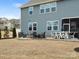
(37, 49)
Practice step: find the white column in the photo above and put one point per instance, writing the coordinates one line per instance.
(69, 25)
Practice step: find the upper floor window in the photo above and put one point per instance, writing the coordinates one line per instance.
(47, 9)
(42, 10)
(30, 10)
(53, 9)
(50, 7)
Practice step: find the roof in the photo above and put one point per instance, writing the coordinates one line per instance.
(36, 2)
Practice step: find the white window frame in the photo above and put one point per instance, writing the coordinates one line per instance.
(33, 26)
(30, 9)
(52, 25)
(42, 7)
(48, 25)
(48, 5)
(56, 25)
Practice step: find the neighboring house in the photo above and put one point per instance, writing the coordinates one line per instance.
(4, 22)
(50, 16)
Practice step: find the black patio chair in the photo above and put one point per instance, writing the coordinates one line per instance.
(35, 35)
(76, 35)
(42, 35)
(21, 34)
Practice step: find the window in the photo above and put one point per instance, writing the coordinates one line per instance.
(45, 8)
(49, 25)
(32, 26)
(53, 9)
(52, 25)
(49, 28)
(55, 25)
(42, 10)
(30, 10)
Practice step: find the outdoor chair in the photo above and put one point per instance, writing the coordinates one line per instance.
(71, 35)
(35, 35)
(62, 35)
(76, 35)
(54, 35)
(21, 34)
(42, 35)
(66, 35)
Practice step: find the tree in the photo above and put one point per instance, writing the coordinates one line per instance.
(14, 33)
(0, 33)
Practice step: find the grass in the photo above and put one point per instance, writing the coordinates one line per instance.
(37, 49)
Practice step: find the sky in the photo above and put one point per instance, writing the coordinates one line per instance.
(10, 8)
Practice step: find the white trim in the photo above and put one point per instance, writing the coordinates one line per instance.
(67, 23)
(70, 17)
(67, 18)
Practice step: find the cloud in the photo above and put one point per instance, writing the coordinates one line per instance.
(10, 17)
(18, 4)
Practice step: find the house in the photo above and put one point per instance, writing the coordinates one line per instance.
(50, 16)
(4, 22)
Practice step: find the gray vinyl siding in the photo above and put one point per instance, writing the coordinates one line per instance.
(66, 8)
(70, 8)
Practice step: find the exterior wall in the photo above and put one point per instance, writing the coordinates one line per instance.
(66, 8)
(70, 8)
